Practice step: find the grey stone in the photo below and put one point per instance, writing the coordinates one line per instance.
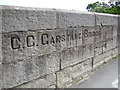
(108, 45)
(88, 35)
(0, 34)
(88, 51)
(1, 79)
(20, 72)
(98, 48)
(24, 19)
(115, 52)
(22, 45)
(115, 42)
(74, 19)
(0, 19)
(1, 48)
(106, 19)
(98, 38)
(100, 59)
(97, 59)
(106, 32)
(46, 48)
(71, 56)
(66, 76)
(47, 81)
(115, 31)
(118, 30)
(73, 37)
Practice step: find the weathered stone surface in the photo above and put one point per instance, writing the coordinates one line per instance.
(1, 79)
(17, 73)
(88, 35)
(21, 45)
(66, 76)
(88, 51)
(106, 19)
(108, 44)
(71, 56)
(115, 42)
(73, 37)
(24, 19)
(100, 59)
(106, 32)
(46, 81)
(98, 48)
(115, 52)
(48, 48)
(74, 19)
(0, 47)
(98, 38)
(118, 30)
(115, 31)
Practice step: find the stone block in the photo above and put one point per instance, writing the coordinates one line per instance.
(66, 76)
(16, 73)
(106, 32)
(73, 37)
(100, 59)
(108, 45)
(74, 19)
(88, 34)
(24, 19)
(98, 48)
(71, 56)
(118, 30)
(1, 79)
(115, 52)
(46, 81)
(115, 31)
(88, 51)
(21, 45)
(115, 42)
(0, 19)
(0, 48)
(106, 19)
(98, 37)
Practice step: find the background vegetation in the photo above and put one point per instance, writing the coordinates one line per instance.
(112, 7)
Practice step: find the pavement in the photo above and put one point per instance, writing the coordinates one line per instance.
(105, 77)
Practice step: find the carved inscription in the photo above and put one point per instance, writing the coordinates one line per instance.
(15, 39)
(46, 38)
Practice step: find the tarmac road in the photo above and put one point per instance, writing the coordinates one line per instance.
(106, 77)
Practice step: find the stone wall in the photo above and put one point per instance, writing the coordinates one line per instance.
(51, 48)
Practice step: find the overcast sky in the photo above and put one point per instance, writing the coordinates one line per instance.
(59, 4)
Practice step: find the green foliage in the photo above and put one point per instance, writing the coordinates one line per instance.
(111, 8)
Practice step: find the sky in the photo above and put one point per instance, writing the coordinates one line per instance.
(58, 4)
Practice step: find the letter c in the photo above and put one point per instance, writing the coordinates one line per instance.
(15, 42)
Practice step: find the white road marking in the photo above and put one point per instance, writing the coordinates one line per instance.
(115, 83)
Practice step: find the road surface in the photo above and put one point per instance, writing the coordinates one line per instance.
(106, 77)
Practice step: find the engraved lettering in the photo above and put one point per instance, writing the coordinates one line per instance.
(15, 42)
(58, 39)
(44, 42)
(30, 41)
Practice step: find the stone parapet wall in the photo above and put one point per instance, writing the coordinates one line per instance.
(52, 48)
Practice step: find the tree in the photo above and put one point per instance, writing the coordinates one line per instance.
(113, 7)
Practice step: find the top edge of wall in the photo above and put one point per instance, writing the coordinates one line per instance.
(53, 9)
(43, 9)
(25, 8)
(106, 14)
